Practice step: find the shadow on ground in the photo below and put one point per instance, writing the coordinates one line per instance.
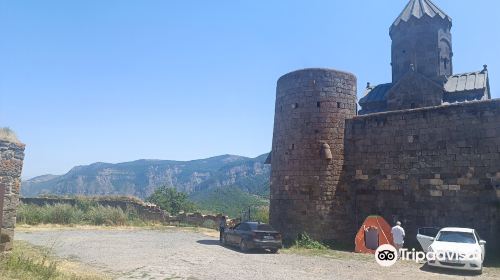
(209, 242)
(215, 242)
(447, 271)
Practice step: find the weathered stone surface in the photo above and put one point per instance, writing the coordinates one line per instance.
(435, 166)
(308, 149)
(450, 167)
(11, 163)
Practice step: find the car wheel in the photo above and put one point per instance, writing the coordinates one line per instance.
(243, 246)
(274, 251)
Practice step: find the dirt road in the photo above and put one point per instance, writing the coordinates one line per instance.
(182, 254)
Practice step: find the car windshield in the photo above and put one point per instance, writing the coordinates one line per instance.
(261, 227)
(457, 237)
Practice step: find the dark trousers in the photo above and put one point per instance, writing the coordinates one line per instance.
(221, 230)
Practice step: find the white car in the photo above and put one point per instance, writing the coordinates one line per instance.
(456, 248)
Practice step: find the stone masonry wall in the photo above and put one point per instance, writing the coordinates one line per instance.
(307, 151)
(11, 163)
(436, 166)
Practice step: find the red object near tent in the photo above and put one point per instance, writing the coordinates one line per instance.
(374, 231)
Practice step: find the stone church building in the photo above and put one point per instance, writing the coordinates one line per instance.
(423, 149)
(422, 65)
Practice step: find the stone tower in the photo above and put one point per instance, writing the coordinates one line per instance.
(308, 150)
(421, 41)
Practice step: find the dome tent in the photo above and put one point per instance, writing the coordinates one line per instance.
(374, 231)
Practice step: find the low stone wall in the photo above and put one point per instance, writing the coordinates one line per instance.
(11, 164)
(146, 211)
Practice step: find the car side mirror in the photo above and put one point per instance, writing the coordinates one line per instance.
(432, 239)
(482, 242)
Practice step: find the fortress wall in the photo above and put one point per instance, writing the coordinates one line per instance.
(436, 166)
(11, 163)
(307, 152)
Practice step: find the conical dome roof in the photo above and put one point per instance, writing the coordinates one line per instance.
(419, 8)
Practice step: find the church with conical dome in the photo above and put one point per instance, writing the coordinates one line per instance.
(422, 65)
(423, 149)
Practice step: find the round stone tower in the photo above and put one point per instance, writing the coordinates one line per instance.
(308, 150)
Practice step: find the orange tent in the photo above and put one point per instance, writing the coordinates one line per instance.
(374, 232)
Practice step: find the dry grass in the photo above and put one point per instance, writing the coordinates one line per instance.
(6, 134)
(31, 262)
(328, 253)
(52, 227)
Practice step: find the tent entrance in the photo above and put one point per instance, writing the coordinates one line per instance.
(374, 232)
(371, 238)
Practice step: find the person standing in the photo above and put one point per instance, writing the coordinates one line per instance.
(398, 235)
(222, 227)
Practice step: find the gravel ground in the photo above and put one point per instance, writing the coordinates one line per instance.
(182, 254)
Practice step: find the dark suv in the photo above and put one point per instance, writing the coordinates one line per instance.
(253, 235)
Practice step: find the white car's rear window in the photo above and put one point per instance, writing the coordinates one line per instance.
(457, 237)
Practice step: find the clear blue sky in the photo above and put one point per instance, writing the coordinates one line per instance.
(92, 80)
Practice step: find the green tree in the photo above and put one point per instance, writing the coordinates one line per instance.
(171, 200)
(261, 214)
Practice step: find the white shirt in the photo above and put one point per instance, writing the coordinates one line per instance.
(398, 234)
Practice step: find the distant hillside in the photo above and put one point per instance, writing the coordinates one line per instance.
(140, 178)
(229, 200)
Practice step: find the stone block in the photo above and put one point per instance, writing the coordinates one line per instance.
(436, 182)
(436, 193)
(467, 181)
(442, 187)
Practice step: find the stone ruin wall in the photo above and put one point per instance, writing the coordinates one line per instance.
(145, 211)
(307, 150)
(11, 163)
(436, 166)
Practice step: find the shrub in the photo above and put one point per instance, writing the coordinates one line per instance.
(63, 214)
(29, 214)
(114, 216)
(80, 213)
(305, 242)
(84, 203)
(95, 217)
(209, 224)
(262, 214)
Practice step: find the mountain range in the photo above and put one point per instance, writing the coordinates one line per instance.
(241, 176)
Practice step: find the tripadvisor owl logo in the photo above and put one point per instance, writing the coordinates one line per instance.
(386, 255)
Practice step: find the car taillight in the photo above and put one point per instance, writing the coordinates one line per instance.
(277, 236)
